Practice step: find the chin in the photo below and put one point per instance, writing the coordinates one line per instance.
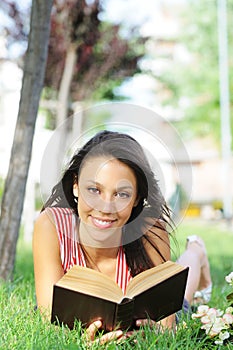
(95, 236)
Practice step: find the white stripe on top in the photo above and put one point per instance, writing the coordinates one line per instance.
(71, 252)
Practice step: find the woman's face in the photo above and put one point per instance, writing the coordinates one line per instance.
(107, 193)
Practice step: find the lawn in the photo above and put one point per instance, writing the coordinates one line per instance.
(22, 328)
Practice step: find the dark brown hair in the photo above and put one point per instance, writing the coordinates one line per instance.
(127, 150)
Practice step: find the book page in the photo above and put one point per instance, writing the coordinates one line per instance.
(88, 281)
(151, 277)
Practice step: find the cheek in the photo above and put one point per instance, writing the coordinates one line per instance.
(83, 206)
(126, 212)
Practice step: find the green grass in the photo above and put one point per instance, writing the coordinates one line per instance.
(22, 328)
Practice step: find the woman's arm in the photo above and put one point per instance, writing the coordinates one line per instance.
(47, 262)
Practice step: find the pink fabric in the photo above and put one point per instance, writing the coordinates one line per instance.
(71, 252)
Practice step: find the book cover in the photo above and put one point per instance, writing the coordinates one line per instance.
(158, 301)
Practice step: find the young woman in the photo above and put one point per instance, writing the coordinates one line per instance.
(107, 213)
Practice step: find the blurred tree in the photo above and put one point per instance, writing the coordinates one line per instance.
(192, 82)
(87, 57)
(14, 190)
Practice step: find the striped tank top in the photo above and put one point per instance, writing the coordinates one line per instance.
(66, 223)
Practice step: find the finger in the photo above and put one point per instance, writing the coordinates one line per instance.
(128, 335)
(110, 336)
(92, 329)
(143, 322)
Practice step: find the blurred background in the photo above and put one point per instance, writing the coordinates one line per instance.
(172, 59)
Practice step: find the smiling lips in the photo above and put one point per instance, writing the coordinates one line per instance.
(102, 223)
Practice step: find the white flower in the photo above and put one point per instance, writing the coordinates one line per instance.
(201, 311)
(211, 316)
(206, 320)
(218, 342)
(224, 335)
(216, 323)
(212, 312)
(229, 310)
(228, 318)
(218, 326)
(229, 278)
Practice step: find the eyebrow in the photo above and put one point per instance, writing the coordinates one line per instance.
(119, 188)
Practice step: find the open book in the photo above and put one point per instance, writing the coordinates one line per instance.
(89, 295)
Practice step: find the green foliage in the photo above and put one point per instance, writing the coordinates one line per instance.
(49, 94)
(38, 197)
(106, 91)
(22, 328)
(104, 57)
(1, 187)
(197, 81)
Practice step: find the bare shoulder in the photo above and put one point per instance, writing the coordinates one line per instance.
(45, 230)
(44, 220)
(45, 244)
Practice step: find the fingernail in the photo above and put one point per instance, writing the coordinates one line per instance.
(119, 333)
(98, 323)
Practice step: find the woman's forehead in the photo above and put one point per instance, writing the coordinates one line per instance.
(96, 167)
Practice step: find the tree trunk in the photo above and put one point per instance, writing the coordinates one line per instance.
(64, 90)
(62, 131)
(13, 197)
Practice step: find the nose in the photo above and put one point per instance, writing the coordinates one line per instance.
(107, 206)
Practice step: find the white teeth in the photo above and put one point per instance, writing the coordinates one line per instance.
(101, 222)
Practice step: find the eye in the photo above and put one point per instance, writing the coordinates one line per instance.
(123, 195)
(93, 190)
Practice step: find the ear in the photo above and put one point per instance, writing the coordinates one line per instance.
(75, 189)
(136, 202)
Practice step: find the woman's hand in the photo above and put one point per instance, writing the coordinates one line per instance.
(144, 322)
(118, 335)
(166, 323)
(139, 323)
(91, 331)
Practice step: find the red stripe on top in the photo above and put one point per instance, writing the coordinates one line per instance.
(70, 250)
(123, 275)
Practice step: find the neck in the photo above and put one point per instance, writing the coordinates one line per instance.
(103, 260)
(100, 248)
(99, 254)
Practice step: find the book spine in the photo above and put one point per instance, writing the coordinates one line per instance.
(124, 314)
